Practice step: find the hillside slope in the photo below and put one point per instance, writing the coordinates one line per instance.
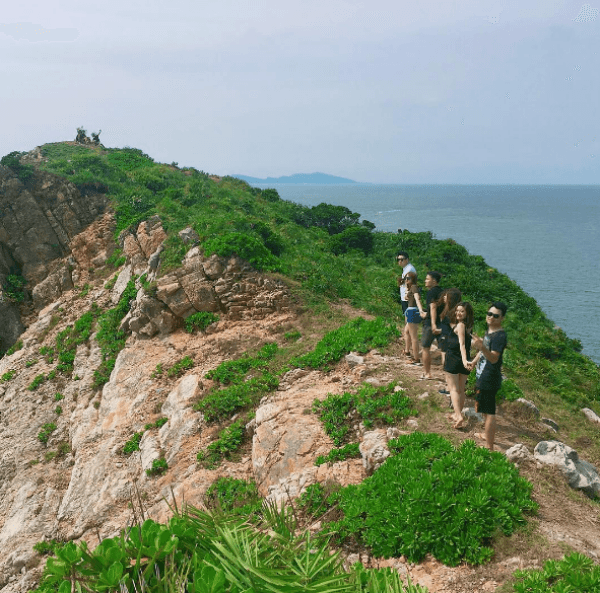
(105, 380)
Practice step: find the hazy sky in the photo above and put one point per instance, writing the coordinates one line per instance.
(389, 91)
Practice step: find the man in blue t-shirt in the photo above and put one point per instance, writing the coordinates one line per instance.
(489, 369)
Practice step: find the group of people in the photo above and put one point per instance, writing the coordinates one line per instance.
(449, 320)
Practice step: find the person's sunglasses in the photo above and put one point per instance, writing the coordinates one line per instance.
(401, 258)
(494, 315)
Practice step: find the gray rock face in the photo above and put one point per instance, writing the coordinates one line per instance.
(38, 220)
(529, 406)
(591, 415)
(580, 474)
(373, 449)
(518, 453)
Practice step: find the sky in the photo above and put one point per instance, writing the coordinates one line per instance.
(385, 91)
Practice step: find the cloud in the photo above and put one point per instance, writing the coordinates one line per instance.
(36, 33)
(587, 14)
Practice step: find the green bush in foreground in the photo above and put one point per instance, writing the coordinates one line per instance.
(358, 335)
(201, 552)
(574, 573)
(432, 498)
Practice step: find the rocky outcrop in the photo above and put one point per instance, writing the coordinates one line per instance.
(580, 474)
(38, 220)
(374, 450)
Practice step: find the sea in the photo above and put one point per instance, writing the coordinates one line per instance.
(544, 237)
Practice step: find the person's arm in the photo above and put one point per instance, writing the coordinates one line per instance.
(490, 355)
(433, 314)
(460, 332)
(418, 301)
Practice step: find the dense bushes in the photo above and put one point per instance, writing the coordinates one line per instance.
(432, 498)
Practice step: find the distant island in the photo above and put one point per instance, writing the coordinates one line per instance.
(299, 178)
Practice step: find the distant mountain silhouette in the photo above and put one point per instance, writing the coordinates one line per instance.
(316, 178)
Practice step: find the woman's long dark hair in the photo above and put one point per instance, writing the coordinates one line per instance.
(454, 297)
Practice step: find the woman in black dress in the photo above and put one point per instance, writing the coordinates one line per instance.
(458, 346)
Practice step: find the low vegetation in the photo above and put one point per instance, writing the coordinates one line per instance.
(370, 405)
(229, 441)
(442, 500)
(199, 321)
(218, 552)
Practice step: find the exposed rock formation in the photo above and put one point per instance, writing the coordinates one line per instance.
(38, 220)
(580, 474)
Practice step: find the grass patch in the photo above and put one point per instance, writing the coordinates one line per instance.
(229, 441)
(358, 335)
(233, 371)
(199, 321)
(373, 406)
(349, 451)
(185, 364)
(234, 496)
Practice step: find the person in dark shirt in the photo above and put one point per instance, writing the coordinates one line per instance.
(430, 320)
(489, 369)
(457, 365)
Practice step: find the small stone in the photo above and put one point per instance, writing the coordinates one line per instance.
(412, 423)
(551, 423)
(529, 405)
(353, 359)
(591, 415)
(398, 388)
(424, 395)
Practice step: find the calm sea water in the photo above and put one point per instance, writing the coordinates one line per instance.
(546, 238)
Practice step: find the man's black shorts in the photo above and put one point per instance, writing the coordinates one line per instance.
(404, 306)
(486, 401)
(428, 337)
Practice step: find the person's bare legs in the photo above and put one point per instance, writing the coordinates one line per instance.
(406, 336)
(426, 359)
(413, 329)
(490, 430)
(453, 384)
(462, 384)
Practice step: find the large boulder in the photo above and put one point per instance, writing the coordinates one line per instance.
(580, 474)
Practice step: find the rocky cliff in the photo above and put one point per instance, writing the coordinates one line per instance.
(38, 220)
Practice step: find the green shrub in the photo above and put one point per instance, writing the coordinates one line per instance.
(229, 441)
(186, 363)
(218, 552)
(509, 391)
(357, 335)
(222, 404)
(243, 245)
(45, 432)
(233, 371)
(8, 376)
(58, 410)
(292, 335)
(58, 397)
(133, 444)
(372, 405)
(14, 287)
(354, 237)
(13, 161)
(349, 451)
(200, 321)
(37, 381)
(31, 362)
(431, 498)
(110, 338)
(160, 422)
(16, 346)
(574, 573)
(159, 466)
(231, 495)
